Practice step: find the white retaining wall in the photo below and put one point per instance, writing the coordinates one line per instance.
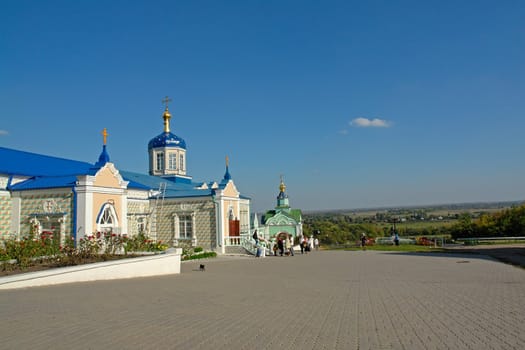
(153, 265)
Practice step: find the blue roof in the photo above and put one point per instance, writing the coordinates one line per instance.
(13, 162)
(166, 139)
(52, 172)
(45, 182)
(173, 189)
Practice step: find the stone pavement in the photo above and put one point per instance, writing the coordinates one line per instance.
(509, 253)
(323, 300)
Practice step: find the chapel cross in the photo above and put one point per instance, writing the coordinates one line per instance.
(166, 100)
(227, 161)
(105, 135)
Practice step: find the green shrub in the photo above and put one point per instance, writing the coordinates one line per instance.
(200, 256)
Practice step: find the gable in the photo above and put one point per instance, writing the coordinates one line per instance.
(108, 176)
(230, 190)
(280, 219)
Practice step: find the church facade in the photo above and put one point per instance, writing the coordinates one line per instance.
(68, 198)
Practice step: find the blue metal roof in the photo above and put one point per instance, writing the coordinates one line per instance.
(13, 162)
(53, 172)
(173, 189)
(45, 182)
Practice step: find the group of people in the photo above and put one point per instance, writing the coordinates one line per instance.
(309, 244)
(284, 245)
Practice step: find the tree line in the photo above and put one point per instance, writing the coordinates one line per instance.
(506, 223)
(343, 228)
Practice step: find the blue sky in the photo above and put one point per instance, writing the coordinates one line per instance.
(356, 103)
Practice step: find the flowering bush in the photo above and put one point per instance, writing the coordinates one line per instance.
(29, 248)
(101, 245)
(141, 243)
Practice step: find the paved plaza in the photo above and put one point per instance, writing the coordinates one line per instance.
(323, 300)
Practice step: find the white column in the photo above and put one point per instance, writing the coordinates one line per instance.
(194, 231)
(220, 231)
(124, 213)
(84, 222)
(176, 229)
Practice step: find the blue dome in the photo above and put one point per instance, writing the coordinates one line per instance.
(167, 139)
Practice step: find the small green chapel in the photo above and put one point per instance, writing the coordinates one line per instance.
(282, 220)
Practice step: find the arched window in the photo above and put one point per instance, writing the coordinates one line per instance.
(107, 219)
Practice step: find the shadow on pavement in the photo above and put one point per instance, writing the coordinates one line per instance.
(507, 254)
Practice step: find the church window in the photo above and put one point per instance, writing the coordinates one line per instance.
(185, 226)
(107, 219)
(160, 161)
(141, 225)
(181, 165)
(172, 161)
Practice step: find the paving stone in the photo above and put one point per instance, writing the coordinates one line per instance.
(323, 300)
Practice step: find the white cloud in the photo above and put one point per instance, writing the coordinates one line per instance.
(370, 123)
(3, 132)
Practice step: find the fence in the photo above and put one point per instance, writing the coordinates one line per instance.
(478, 240)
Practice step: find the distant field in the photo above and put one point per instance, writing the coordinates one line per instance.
(420, 225)
(437, 210)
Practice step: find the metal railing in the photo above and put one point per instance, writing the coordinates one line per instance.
(478, 240)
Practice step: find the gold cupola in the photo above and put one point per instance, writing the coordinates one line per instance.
(282, 186)
(167, 115)
(282, 197)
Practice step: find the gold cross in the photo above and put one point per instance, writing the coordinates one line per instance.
(227, 160)
(166, 100)
(105, 135)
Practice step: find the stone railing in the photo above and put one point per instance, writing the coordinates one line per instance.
(244, 240)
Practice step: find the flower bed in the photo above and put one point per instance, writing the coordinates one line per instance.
(152, 265)
(44, 252)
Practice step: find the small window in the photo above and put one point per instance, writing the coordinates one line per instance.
(141, 225)
(185, 226)
(181, 162)
(172, 161)
(160, 161)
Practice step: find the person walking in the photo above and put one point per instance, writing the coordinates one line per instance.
(290, 240)
(363, 241)
(316, 243)
(280, 244)
(304, 245)
(396, 239)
